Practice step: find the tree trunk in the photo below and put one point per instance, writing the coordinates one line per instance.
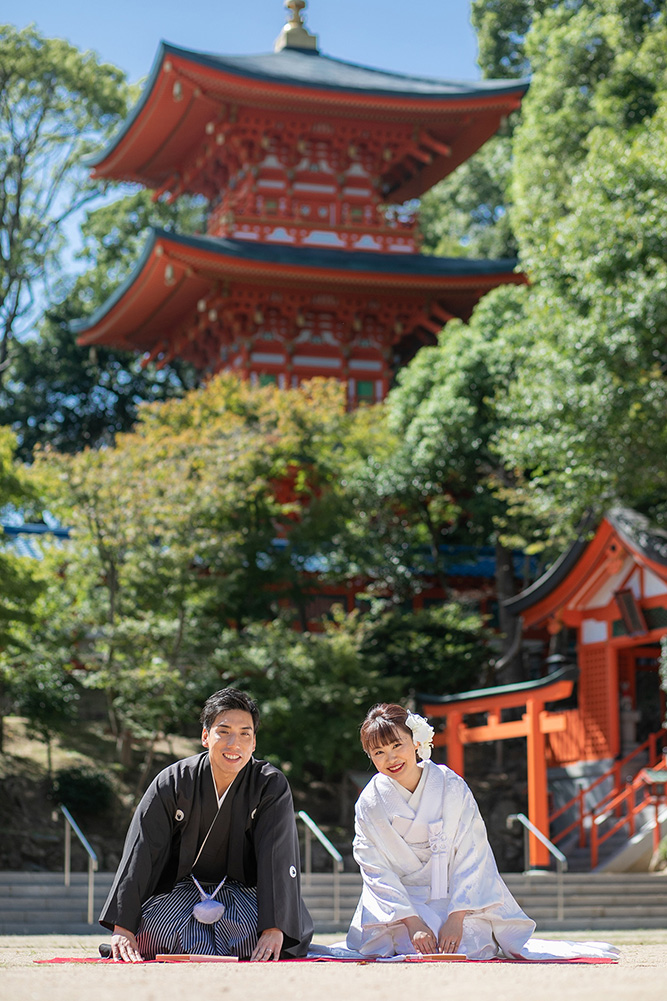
(124, 748)
(505, 588)
(145, 770)
(111, 713)
(435, 538)
(49, 758)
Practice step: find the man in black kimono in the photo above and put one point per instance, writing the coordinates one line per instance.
(218, 816)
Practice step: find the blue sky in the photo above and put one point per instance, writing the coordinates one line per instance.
(431, 38)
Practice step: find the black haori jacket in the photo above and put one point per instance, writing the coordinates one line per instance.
(253, 841)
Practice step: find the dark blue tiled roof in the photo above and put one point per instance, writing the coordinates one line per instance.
(460, 561)
(315, 258)
(28, 539)
(568, 673)
(346, 260)
(312, 70)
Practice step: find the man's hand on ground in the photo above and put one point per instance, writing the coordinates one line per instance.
(268, 947)
(124, 948)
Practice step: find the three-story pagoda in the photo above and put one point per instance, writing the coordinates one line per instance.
(310, 264)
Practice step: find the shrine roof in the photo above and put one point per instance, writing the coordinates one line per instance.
(634, 531)
(333, 259)
(206, 259)
(639, 534)
(313, 71)
(568, 673)
(289, 80)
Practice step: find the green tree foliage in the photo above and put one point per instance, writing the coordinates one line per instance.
(56, 106)
(197, 543)
(589, 74)
(466, 214)
(444, 482)
(435, 651)
(45, 694)
(444, 413)
(587, 413)
(501, 27)
(83, 789)
(174, 536)
(314, 689)
(20, 587)
(70, 397)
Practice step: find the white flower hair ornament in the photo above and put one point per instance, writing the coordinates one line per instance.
(422, 735)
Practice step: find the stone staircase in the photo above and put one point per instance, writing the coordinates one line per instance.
(593, 900)
(579, 859)
(39, 903)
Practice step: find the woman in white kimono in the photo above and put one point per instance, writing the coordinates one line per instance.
(430, 881)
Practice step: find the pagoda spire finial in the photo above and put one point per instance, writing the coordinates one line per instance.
(295, 35)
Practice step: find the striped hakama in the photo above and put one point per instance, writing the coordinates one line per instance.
(168, 925)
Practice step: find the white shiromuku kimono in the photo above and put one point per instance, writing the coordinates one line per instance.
(426, 853)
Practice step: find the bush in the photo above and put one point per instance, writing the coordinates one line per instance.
(82, 789)
(435, 651)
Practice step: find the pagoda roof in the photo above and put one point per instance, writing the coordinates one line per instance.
(587, 558)
(160, 131)
(138, 312)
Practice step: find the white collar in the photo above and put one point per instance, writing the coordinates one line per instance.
(220, 799)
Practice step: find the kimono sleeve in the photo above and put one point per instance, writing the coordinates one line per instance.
(384, 898)
(146, 852)
(276, 846)
(474, 881)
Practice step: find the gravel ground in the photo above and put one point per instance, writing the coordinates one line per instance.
(643, 956)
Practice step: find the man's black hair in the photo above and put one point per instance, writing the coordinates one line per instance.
(227, 698)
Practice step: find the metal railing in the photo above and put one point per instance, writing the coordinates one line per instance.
(71, 825)
(561, 862)
(617, 775)
(623, 811)
(310, 829)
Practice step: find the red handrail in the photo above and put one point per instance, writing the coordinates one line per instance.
(615, 772)
(627, 798)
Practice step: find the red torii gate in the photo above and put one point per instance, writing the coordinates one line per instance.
(534, 724)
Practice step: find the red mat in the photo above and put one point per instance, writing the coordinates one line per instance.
(333, 959)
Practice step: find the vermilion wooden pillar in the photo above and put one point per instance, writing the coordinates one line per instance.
(538, 803)
(455, 758)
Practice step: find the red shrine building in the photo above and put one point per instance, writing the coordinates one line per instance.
(594, 726)
(312, 168)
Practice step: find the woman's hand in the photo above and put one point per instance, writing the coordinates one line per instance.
(124, 948)
(421, 936)
(451, 932)
(268, 947)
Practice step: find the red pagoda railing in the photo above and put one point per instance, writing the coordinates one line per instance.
(585, 818)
